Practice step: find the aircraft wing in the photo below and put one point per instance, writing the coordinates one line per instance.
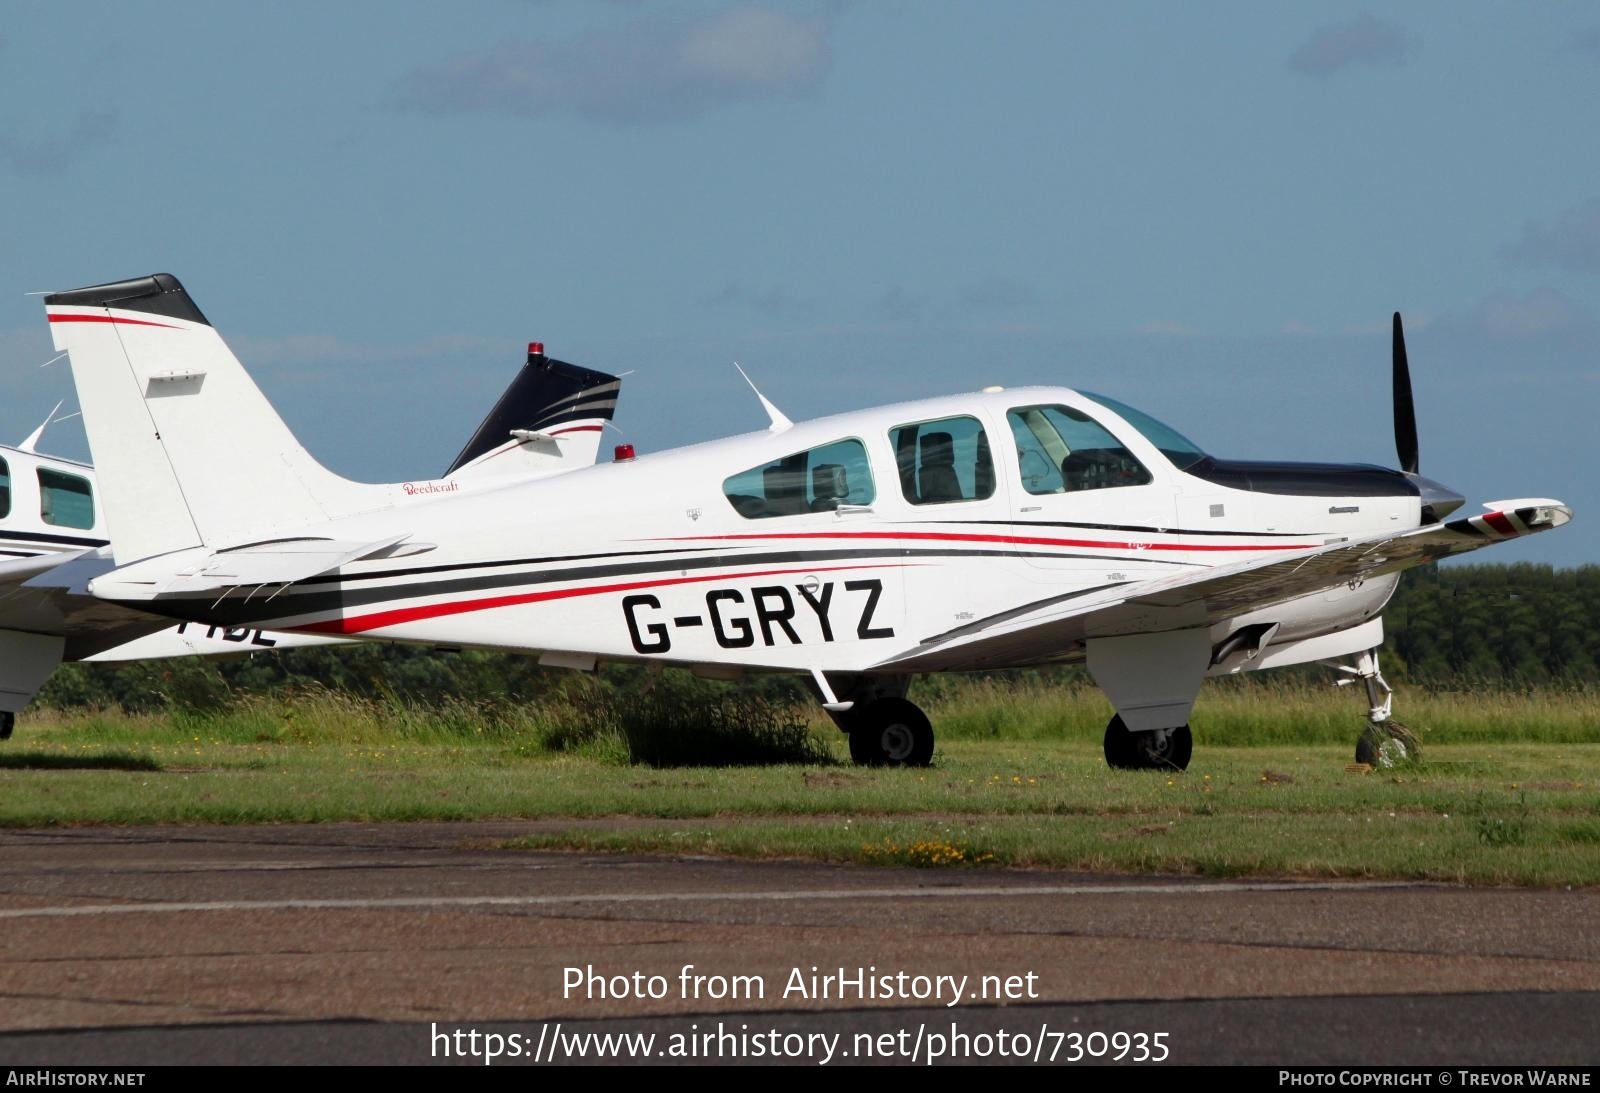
(1050, 629)
(14, 571)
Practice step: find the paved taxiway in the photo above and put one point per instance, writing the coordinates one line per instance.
(346, 942)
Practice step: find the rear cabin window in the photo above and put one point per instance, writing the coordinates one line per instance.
(5, 490)
(1062, 450)
(944, 460)
(65, 500)
(815, 480)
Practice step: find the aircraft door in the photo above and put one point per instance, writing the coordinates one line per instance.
(1087, 505)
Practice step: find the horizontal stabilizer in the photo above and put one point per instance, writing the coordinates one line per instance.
(258, 565)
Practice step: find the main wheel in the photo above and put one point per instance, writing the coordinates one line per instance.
(1165, 750)
(8, 722)
(890, 732)
(1386, 745)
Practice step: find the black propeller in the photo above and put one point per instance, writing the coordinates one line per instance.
(1437, 501)
(1405, 410)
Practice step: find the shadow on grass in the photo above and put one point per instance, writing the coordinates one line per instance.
(664, 728)
(33, 760)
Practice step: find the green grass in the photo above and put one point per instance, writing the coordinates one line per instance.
(1018, 781)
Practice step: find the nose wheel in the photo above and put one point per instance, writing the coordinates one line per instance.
(890, 732)
(1384, 742)
(1163, 749)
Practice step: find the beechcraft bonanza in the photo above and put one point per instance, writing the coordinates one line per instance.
(53, 536)
(1004, 528)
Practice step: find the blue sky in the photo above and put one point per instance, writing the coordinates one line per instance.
(1206, 210)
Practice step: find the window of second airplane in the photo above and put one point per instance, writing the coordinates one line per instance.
(816, 480)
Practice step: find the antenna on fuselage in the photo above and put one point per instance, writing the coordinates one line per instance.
(38, 434)
(779, 422)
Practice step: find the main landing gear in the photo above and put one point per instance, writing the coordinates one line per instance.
(885, 729)
(1384, 742)
(1163, 749)
(890, 732)
(8, 722)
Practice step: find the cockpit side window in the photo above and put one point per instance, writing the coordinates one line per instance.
(944, 460)
(65, 500)
(1062, 450)
(5, 490)
(816, 480)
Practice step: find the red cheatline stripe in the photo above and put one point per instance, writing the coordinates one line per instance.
(357, 624)
(578, 429)
(1500, 522)
(1023, 540)
(108, 319)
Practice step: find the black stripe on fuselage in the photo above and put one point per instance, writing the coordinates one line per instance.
(292, 604)
(47, 537)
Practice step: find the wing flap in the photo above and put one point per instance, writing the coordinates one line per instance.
(1052, 628)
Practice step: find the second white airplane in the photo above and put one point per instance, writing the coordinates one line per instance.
(989, 530)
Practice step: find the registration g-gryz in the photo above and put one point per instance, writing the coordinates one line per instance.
(1037, 525)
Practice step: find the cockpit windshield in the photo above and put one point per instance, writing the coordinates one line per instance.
(1179, 449)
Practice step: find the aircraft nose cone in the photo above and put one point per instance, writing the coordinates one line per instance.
(1438, 501)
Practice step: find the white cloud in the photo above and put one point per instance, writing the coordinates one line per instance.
(1541, 315)
(650, 70)
(1572, 242)
(35, 155)
(1359, 41)
(1168, 329)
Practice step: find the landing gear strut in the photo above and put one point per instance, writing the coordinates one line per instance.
(1163, 749)
(8, 722)
(1384, 742)
(885, 729)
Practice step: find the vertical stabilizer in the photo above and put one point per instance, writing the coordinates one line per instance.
(549, 420)
(187, 450)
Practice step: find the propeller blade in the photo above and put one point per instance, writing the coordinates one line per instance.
(1405, 411)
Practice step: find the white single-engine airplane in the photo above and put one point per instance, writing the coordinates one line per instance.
(989, 530)
(53, 537)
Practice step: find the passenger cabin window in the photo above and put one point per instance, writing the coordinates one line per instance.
(1062, 450)
(5, 490)
(65, 500)
(816, 480)
(942, 461)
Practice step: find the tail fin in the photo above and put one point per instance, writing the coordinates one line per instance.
(187, 450)
(548, 421)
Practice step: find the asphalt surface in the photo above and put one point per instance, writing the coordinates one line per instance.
(356, 943)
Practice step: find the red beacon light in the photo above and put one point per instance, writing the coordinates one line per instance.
(623, 453)
(536, 349)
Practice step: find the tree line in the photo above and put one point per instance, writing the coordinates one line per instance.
(1516, 626)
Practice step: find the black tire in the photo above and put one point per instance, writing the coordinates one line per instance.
(1386, 746)
(1144, 750)
(890, 732)
(8, 723)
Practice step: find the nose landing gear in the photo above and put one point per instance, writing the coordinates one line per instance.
(1384, 742)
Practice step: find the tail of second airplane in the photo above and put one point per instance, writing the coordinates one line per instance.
(187, 450)
(549, 421)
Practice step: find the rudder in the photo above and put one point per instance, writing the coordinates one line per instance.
(187, 449)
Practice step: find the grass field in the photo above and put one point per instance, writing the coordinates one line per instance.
(1508, 790)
